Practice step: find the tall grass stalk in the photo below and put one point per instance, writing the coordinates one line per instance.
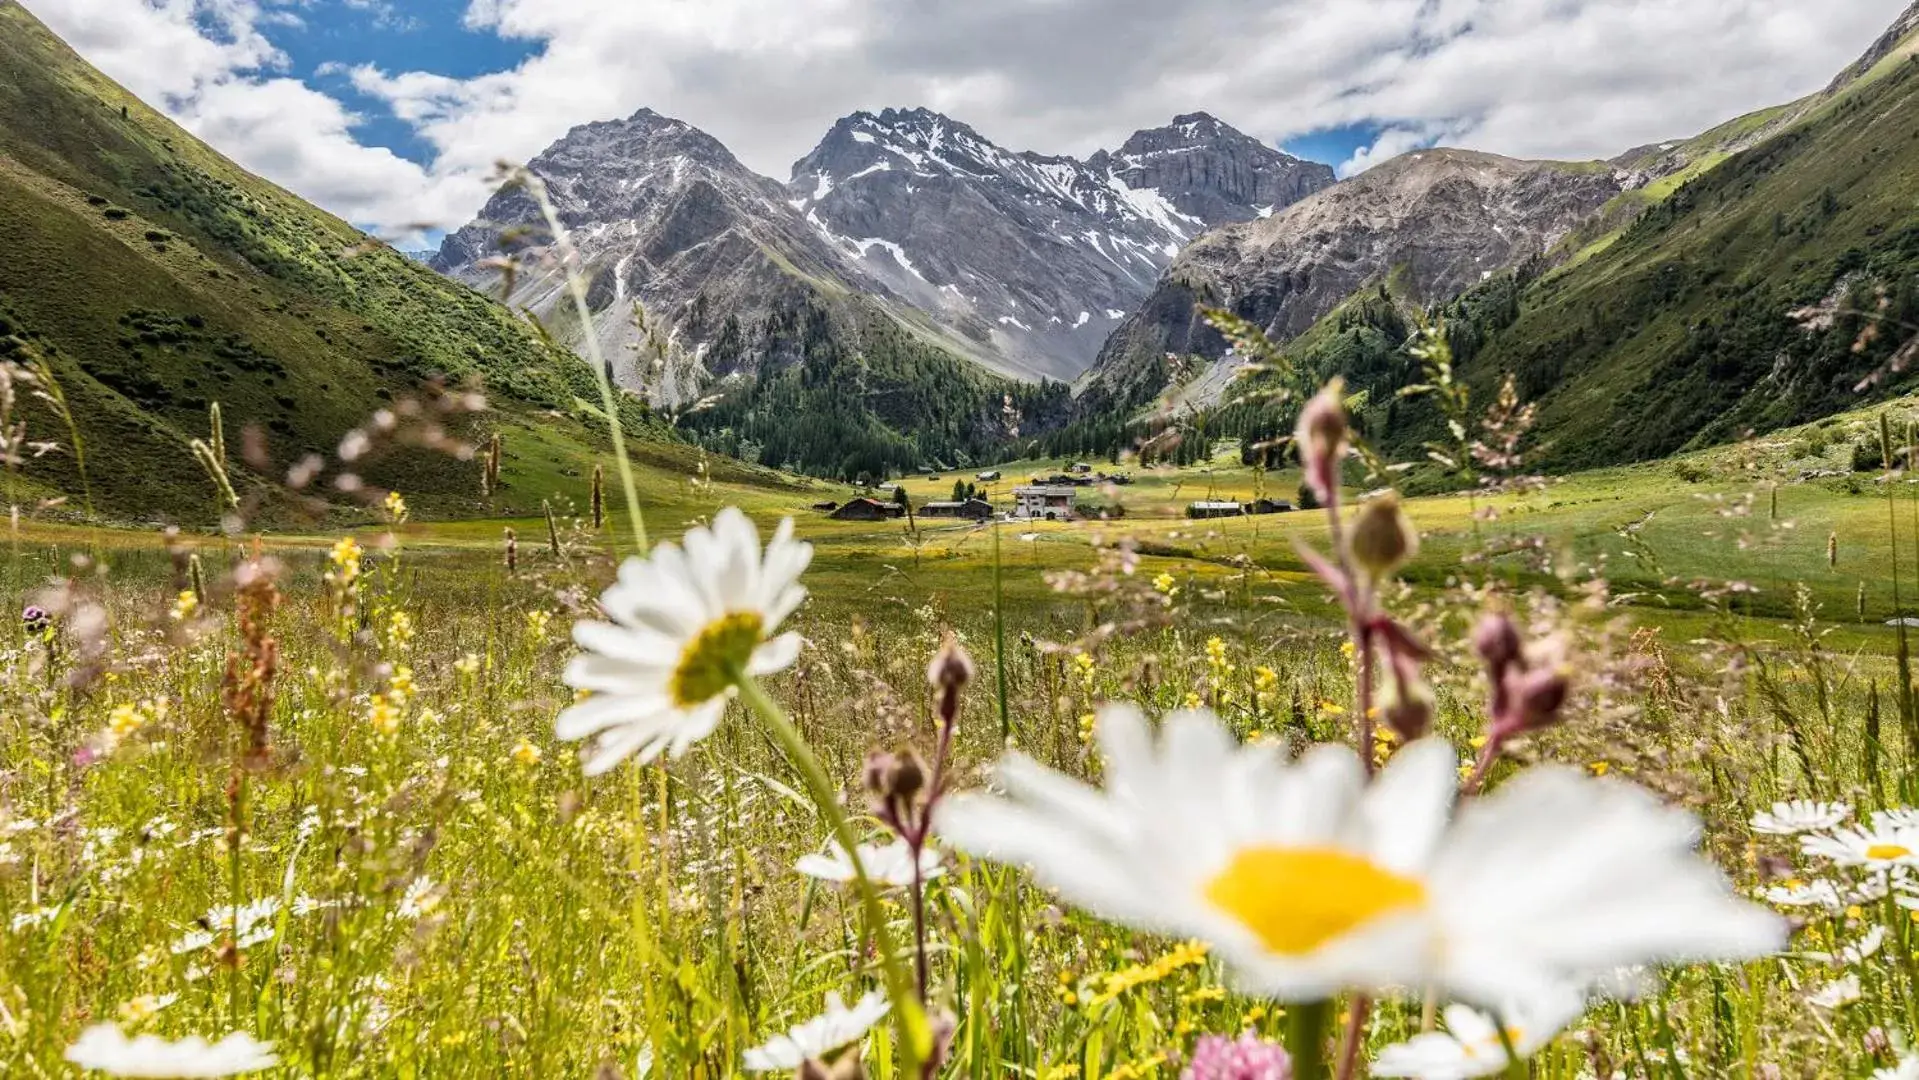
(569, 260)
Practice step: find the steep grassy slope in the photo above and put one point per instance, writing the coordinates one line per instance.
(156, 277)
(1682, 330)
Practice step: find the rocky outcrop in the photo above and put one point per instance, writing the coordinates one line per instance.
(1435, 222)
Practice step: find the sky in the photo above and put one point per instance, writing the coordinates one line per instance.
(394, 113)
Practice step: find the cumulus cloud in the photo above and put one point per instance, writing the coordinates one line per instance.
(1534, 78)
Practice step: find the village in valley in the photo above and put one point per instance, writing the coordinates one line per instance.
(1064, 492)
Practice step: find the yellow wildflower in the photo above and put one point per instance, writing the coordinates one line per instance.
(185, 605)
(1164, 584)
(400, 684)
(399, 629)
(526, 753)
(395, 507)
(346, 559)
(1113, 984)
(125, 719)
(383, 716)
(468, 664)
(537, 622)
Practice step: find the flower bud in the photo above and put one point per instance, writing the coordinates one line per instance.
(1321, 432)
(894, 780)
(1496, 640)
(1383, 537)
(1409, 708)
(1539, 695)
(1321, 440)
(951, 667)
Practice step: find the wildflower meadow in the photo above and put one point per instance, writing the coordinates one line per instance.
(756, 795)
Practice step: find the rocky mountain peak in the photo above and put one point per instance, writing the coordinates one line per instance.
(1033, 256)
(1212, 171)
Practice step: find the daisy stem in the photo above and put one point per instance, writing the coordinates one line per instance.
(1354, 1035)
(602, 370)
(1307, 1028)
(916, 1036)
(1516, 1067)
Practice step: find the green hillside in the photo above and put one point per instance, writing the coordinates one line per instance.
(156, 277)
(1681, 330)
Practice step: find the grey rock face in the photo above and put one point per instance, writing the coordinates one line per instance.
(1436, 221)
(1034, 258)
(663, 216)
(1211, 171)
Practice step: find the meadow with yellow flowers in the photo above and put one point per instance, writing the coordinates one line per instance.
(1379, 790)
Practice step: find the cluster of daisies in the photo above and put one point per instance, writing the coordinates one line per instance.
(1867, 867)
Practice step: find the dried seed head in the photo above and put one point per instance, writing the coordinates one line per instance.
(1383, 537)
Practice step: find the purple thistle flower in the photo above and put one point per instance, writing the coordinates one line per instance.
(1247, 1058)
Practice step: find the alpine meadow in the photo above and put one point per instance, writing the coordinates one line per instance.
(1183, 611)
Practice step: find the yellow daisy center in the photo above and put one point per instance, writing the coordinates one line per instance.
(1295, 900)
(1888, 852)
(709, 660)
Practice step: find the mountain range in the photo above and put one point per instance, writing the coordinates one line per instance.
(1020, 262)
(916, 295)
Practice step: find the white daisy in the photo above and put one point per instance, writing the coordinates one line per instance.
(1836, 994)
(1310, 881)
(1855, 953)
(821, 1038)
(1820, 893)
(1865, 948)
(1899, 817)
(1471, 1044)
(686, 623)
(1875, 848)
(106, 1048)
(888, 864)
(1798, 816)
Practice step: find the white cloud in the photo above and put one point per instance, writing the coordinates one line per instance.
(1536, 78)
(1389, 144)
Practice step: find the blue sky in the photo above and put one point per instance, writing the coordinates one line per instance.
(1334, 145)
(333, 37)
(393, 113)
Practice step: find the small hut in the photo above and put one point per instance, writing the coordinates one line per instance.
(868, 510)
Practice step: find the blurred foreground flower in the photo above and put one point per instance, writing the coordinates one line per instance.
(1247, 1058)
(1311, 881)
(686, 625)
(1472, 1044)
(105, 1048)
(887, 864)
(823, 1039)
